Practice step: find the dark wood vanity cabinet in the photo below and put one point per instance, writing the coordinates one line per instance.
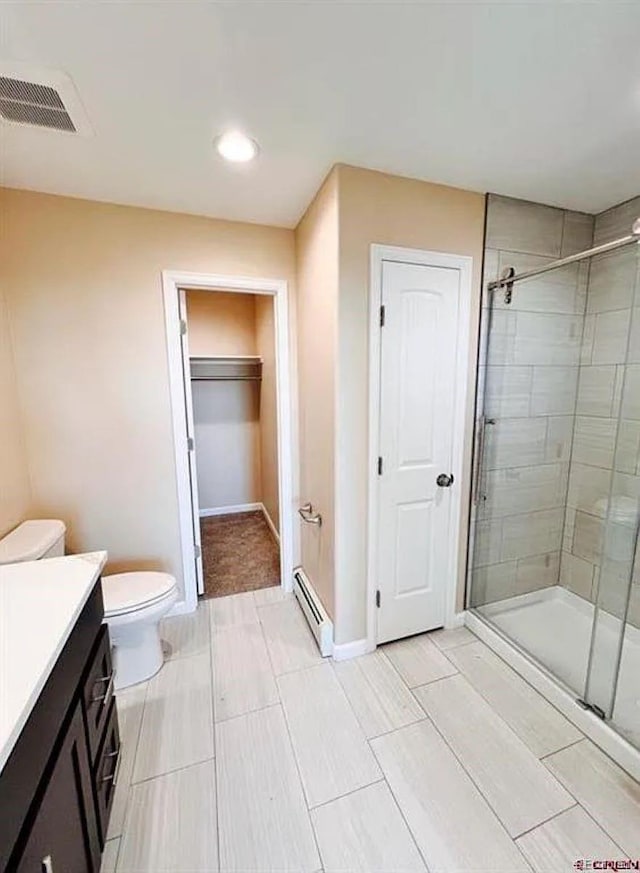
(64, 833)
(56, 789)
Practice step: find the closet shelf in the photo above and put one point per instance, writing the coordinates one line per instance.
(226, 369)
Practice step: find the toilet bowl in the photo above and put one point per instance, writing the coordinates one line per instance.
(134, 604)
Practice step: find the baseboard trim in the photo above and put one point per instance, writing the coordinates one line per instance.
(231, 510)
(181, 607)
(456, 620)
(270, 524)
(346, 651)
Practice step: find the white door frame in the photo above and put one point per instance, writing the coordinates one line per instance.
(172, 282)
(464, 263)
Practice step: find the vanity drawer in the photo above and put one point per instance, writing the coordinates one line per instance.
(97, 692)
(107, 768)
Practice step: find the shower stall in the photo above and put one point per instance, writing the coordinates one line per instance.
(554, 566)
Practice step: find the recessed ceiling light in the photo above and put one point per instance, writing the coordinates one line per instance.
(235, 146)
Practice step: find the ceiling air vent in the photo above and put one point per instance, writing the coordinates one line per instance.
(42, 98)
(29, 103)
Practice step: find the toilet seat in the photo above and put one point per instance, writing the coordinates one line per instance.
(125, 593)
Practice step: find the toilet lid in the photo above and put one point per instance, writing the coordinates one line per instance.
(127, 592)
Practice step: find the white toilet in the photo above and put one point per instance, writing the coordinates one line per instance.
(134, 603)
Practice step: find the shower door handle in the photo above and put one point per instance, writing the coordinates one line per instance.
(478, 493)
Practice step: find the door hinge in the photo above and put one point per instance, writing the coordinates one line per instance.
(197, 551)
(379, 466)
(378, 599)
(190, 444)
(183, 326)
(382, 315)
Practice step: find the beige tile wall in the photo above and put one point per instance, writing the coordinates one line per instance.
(531, 382)
(597, 552)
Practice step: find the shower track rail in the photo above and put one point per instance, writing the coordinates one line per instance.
(509, 277)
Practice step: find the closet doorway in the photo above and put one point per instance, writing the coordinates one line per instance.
(229, 374)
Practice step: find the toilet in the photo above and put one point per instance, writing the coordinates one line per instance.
(134, 603)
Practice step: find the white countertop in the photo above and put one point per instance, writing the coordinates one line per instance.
(40, 602)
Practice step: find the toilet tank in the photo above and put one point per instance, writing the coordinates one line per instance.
(33, 540)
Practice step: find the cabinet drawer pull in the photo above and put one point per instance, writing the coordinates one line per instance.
(106, 697)
(47, 864)
(113, 776)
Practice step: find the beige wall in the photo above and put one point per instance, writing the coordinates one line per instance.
(266, 348)
(85, 303)
(15, 490)
(378, 208)
(86, 309)
(221, 323)
(317, 260)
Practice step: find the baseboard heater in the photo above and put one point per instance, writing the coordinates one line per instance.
(319, 622)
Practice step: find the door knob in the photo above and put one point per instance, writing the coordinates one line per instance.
(445, 480)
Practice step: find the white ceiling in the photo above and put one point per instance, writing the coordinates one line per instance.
(536, 100)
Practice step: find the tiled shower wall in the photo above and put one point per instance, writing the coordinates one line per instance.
(606, 456)
(531, 389)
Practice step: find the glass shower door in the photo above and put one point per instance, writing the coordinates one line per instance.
(528, 376)
(619, 543)
(626, 704)
(613, 684)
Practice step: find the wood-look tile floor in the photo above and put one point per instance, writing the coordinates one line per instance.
(249, 754)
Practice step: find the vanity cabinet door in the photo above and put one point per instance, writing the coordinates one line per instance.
(64, 835)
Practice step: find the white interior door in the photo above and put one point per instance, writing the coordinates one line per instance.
(416, 538)
(190, 447)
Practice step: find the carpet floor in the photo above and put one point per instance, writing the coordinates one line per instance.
(239, 554)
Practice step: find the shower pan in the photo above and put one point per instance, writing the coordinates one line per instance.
(554, 568)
